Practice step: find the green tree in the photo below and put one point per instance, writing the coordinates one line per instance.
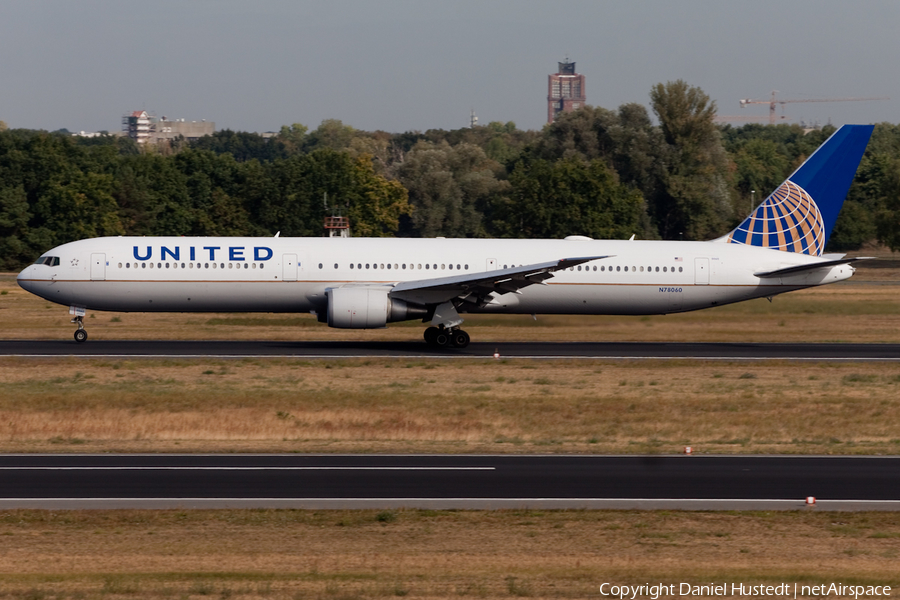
(331, 134)
(80, 207)
(293, 137)
(293, 202)
(694, 201)
(243, 146)
(759, 167)
(377, 203)
(888, 202)
(449, 187)
(568, 197)
(15, 249)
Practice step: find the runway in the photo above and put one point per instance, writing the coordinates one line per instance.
(483, 350)
(448, 482)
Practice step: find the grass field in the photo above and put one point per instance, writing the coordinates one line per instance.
(429, 554)
(494, 406)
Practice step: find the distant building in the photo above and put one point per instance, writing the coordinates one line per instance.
(565, 91)
(137, 125)
(143, 127)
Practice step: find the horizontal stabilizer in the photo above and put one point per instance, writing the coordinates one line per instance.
(811, 267)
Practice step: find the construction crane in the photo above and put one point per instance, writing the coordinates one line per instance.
(738, 118)
(773, 101)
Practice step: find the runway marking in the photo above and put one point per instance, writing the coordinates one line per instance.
(473, 357)
(208, 468)
(414, 499)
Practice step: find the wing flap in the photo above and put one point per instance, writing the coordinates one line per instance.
(480, 285)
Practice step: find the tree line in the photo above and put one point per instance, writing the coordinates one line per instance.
(595, 172)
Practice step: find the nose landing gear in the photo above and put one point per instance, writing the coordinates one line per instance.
(80, 333)
(443, 337)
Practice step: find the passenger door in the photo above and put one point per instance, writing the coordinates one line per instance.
(701, 271)
(289, 267)
(98, 267)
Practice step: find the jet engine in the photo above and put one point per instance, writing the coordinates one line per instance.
(368, 308)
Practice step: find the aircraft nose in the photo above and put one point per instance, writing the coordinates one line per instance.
(24, 278)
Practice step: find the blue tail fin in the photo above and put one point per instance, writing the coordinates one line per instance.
(800, 214)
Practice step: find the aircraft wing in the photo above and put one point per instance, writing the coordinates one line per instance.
(476, 287)
(811, 267)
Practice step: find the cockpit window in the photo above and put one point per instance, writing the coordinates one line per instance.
(50, 261)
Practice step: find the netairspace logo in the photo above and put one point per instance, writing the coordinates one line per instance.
(783, 590)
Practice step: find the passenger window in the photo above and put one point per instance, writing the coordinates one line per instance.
(626, 269)
(143, 265)
(435, 267)
(420, 266)
(404, 266)
(320, 265)
(664, 269)
(657, 269)
(246, 266)
(451, 267)
(205, 265)
(182, 265)
(579, 267)
(444, 266)
(335, 265)
(680, 269)
(254, 265)
(120, 265)
(457, 267)
(167, 265)
(467, 267)
(618, 268)
(351, 265)
(426, 266)
(367, 265)
(389, 265)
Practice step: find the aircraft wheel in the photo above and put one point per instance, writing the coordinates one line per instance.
(80, 335)
(430, 334)
(459, 338)
(442, 338)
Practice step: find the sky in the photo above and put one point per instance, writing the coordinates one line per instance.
(406, 65)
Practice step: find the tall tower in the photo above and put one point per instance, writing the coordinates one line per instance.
(565, 90)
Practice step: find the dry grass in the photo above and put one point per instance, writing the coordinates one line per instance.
(398, 405)
(429, 554)
(864, 309)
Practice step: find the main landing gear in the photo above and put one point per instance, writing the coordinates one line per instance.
(80, 333)
(442, 337)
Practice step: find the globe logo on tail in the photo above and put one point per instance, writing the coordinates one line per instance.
(789, 220)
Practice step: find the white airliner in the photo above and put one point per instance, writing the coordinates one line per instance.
(361, 283)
